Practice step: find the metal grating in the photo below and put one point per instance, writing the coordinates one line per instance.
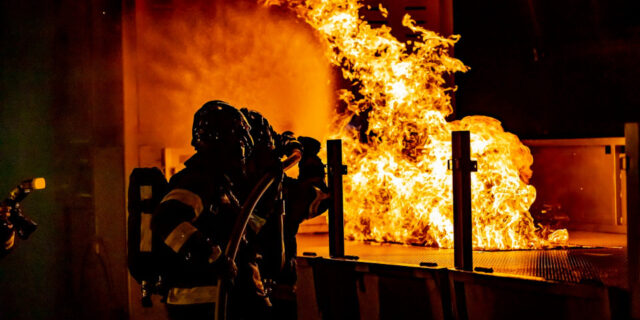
(555, 265)
(586, 265)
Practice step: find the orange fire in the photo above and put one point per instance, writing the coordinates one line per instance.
(398, 188)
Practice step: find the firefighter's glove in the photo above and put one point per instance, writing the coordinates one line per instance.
(288, 143)
(226, 268)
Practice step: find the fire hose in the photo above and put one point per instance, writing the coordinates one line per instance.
(231, 251)
(252, 200)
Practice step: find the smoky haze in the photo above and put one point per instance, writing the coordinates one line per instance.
(239, 52)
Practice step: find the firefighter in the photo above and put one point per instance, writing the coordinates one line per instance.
(304, 197)
(195, 218)
(7, 231)
(12, 221)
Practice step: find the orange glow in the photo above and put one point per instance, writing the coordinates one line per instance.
(398, 188)
(238, 51)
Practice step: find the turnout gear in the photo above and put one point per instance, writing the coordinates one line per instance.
(266, 224)
(303, 198)
(195, 237)
(236, 174)
(195, 219)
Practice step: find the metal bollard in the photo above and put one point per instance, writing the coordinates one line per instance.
(462, 166)
(335, 170)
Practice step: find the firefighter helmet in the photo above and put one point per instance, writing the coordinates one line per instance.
(261, 131)
(219, 127)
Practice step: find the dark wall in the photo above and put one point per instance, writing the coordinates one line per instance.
(29, 276)
(61, 118)
(550, 69)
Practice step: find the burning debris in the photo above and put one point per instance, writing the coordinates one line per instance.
(398, 188)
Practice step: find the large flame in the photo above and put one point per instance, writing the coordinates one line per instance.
(398, 188)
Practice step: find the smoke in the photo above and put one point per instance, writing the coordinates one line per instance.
(250, 56)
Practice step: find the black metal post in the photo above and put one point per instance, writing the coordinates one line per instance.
(632, 149)
(462, 166)
(336, 219)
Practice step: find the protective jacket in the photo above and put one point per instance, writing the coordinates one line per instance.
(305, 197)
(194, 221)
